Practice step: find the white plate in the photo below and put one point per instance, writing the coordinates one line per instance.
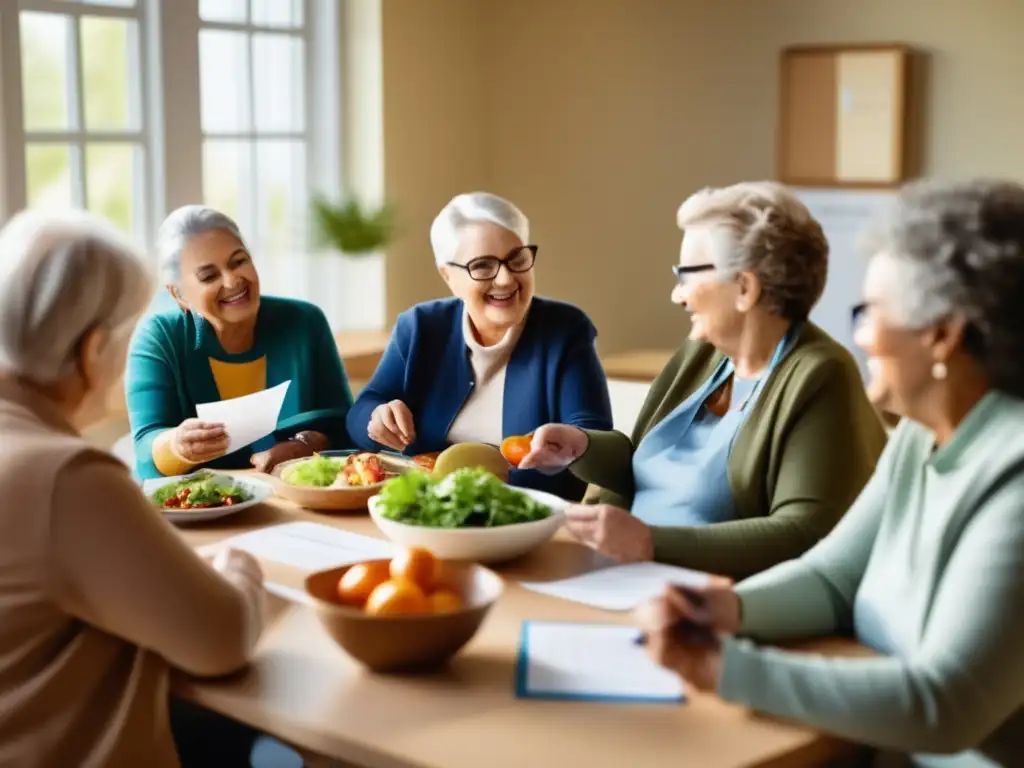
(481, 545)
(257, 490)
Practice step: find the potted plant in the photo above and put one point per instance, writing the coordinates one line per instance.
(350, 227)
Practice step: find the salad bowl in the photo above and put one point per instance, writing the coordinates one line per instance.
(331, 497)
(469, 515)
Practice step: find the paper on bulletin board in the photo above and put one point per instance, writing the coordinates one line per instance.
(846, 216)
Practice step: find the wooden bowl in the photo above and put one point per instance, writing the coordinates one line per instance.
(334, 499)
(391, 644)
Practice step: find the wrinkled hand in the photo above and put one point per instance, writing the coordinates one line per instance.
(237, 564)
(699, 663)
(302, 445)
(391, 424)
(554, 447)
(611, 531)
(715, 605)
(198, 441)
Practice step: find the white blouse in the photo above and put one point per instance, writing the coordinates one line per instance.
(480, 420)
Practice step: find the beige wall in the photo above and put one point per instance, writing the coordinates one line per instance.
(599, 116)
(434, 106)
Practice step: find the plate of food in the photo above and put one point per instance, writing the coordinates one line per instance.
(336, 480)
(469, 514)
(205, 495)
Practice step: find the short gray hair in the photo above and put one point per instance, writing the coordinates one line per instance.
(470, 208)
(61, 276)
(181, 226)
(773, 235)
(961, 247)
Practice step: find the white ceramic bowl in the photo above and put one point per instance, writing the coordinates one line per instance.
(481, 545)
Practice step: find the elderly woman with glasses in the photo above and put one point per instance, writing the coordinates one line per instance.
(927, 567)
(492, 362)
(223, 340)
(757, 435)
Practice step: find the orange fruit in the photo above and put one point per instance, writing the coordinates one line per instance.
(416, 565)
(515, 449)
(356, 584)
(444, 601)
(395, 598)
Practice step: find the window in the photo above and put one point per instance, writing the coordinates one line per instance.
(84, 129)
(131, 108)
(253, 62)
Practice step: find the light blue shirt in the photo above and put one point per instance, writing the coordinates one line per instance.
(681, 467)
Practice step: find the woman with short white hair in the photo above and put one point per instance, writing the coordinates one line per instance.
(223, 340)
(757, 435)
(927, 567)
(99, 596)
(493, 361)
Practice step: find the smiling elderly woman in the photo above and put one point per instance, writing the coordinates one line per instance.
(99, 596)
(928, 565)
(225, 340)
(757, 435)
(492, 362)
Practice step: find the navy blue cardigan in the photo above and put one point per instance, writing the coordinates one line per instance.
(553, 376)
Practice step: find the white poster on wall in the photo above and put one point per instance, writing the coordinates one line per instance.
(845, 216)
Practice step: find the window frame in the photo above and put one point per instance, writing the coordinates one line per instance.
(252, 134)
(15, 137)
(170, 130)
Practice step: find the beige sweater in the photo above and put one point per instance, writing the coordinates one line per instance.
(480, 420)
(98, 596)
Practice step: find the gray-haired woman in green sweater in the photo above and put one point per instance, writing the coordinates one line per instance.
(927, 568)
(757, 436)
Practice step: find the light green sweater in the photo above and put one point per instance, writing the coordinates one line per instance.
(928, 568)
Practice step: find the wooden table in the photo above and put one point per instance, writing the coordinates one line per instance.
(306, 691)
(641, 365)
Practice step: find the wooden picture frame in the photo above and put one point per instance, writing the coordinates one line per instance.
(844, 115)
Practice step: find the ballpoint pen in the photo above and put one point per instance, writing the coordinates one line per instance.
(686, 630)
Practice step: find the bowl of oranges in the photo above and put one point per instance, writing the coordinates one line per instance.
(414, 611)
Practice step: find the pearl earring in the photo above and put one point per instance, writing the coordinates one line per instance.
(939, 371)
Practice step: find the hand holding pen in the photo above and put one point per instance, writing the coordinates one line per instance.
(681, 628)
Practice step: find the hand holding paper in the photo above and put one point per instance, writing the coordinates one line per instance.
(246, 419)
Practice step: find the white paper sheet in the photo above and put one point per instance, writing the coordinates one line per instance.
(620, 587)
(591, 662)
(248, 418)
(308, 546)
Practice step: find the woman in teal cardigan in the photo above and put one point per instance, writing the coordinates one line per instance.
(927, 567)
(224, 340)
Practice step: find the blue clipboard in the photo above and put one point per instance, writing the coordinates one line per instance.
(524, 691)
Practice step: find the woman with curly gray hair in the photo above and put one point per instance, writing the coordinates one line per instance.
(757, 436)
(927, 567)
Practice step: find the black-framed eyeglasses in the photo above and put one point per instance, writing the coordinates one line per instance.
(858, 314)
(517, 260)
(682, 273)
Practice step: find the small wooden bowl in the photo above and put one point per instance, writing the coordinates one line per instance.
(406, 643)
(333, 499)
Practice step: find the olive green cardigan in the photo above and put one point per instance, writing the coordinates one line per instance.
(803, 454)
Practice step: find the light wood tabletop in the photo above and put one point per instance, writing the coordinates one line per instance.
(642, 365)
(305, 690)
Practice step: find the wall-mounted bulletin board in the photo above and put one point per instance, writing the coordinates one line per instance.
(843, 115)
